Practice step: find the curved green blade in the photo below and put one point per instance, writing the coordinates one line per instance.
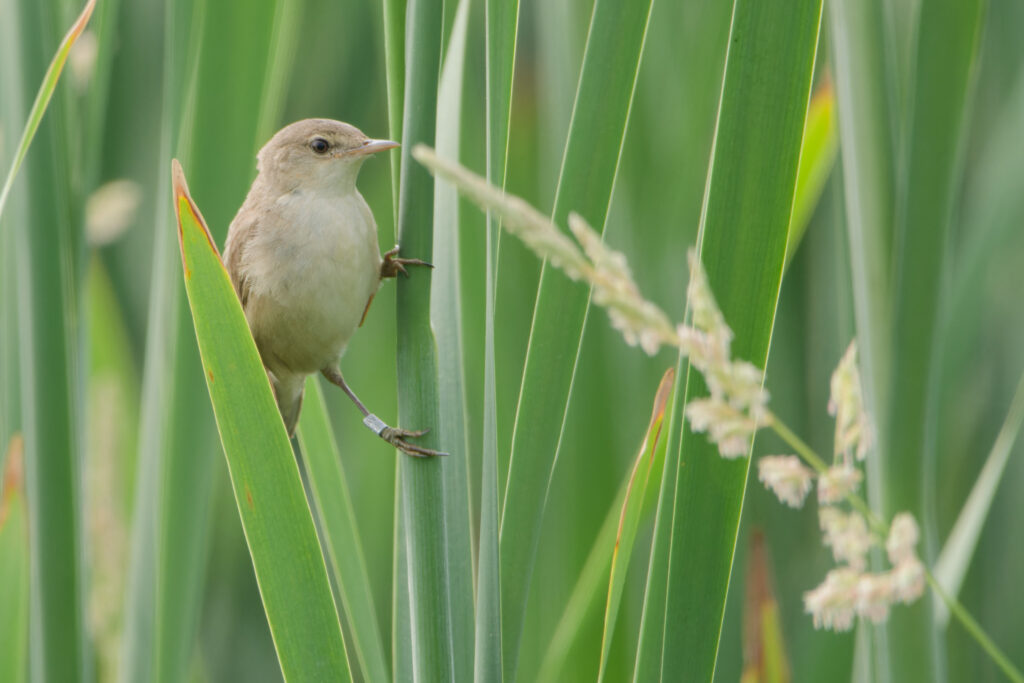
(278, 525)
(647, 470)
(46, 89)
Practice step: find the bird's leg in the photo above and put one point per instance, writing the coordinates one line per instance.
(393, 265)
(393, 435)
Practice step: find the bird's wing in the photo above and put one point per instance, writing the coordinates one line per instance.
(239, 235)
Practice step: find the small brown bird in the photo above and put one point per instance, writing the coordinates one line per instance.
(303, 257)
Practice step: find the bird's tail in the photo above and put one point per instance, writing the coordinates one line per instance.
(288, 390)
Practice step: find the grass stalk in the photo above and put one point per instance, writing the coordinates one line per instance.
(422, 480)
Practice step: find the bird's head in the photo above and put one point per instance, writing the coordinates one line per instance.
(317, 154)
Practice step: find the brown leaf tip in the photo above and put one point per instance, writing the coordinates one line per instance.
(180, 188)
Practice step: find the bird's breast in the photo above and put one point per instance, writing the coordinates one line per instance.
(314, 266)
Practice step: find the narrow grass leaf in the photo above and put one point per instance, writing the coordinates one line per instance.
(501, 25)
(169, 531)
(14, 577)
(958, 551)
(46, 90)
(49, 262)
(817, 157)
(278, 525)
(744, 226)
(333, 500)
(947, 46)
(648, 463)
(857, 42)
(604, 98)
(429, 557)
(446, 320)
(394, 64)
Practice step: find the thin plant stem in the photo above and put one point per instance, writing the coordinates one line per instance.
(975, 629)
(818, 463)
(955, 608)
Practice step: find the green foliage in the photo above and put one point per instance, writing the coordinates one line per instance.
(898, 225)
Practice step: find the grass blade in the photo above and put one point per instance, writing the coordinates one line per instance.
(746, 216)
(278, 525)
(501, 25)
(49, 258)
(46, 90)
(423, 494)
(333, 502)
(446, 320)
(646, 471)
(858, 43)
(948, 38)
(14, 584)
(603, 101)
(958, 551)
(394, 63)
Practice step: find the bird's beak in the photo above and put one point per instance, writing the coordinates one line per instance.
(374, 146)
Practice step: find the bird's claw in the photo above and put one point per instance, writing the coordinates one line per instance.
(393, 265)
(397, 438)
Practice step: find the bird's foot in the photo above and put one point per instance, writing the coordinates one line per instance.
(397, 437)
(393, 264)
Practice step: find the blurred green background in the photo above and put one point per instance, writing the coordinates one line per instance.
(110, 121)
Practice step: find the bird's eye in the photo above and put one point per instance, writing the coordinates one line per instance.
(319, 145)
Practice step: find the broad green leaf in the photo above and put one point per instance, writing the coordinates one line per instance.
(947, 46)
(429, 558)
(747, 211)
(764, 652)
(278, 525)
(333, 501)
(14, 577)
(603, 100)
(958, 550)
(46, 89)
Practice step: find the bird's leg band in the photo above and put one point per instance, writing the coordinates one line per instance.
(375, 424)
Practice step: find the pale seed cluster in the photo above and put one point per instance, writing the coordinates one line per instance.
(737, 405)
(849, 590)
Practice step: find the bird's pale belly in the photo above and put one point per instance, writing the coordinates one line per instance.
(321, 289)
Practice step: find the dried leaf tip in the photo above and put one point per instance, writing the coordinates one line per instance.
(178, 182)
(181, 192)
